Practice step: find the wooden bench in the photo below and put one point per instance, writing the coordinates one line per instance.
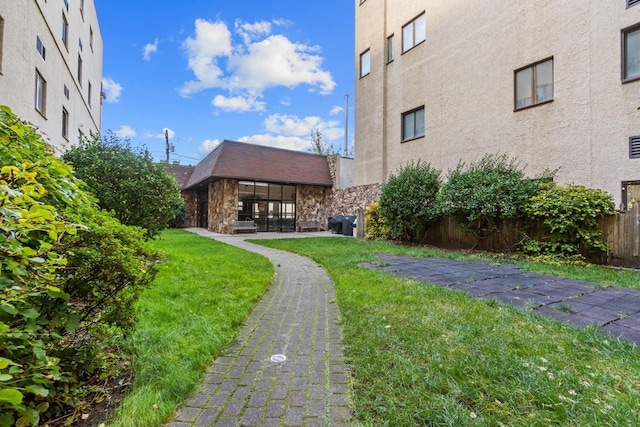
(249, 226)
(308, 226)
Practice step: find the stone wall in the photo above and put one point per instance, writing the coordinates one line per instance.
(191, 208)
(223, 205)
(311, 203)
(349, 200)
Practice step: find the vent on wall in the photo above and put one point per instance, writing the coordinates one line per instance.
(631, 3)
(634, 147)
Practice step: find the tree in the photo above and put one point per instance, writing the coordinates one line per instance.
(318, 146)
(408, 202)
(127, 181)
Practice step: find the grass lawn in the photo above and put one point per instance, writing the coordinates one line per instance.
(201, 296)
(422, 355)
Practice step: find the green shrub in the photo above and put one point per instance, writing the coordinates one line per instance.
(479, 195)
(69, 274)
(570, 216)
(125, 180)
(374, 226)
(408, 202)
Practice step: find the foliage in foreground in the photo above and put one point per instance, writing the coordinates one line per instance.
(140, 192)
(408, 202)
(58, 292)
(424, 355)
(570, 215)
(201, 297)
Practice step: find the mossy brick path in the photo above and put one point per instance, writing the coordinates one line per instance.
(297, 318)
(615, 310)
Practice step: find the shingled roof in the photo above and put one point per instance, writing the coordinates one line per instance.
(243, 161)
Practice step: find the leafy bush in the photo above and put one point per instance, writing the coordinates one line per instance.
(374, 226)
(408, 202)
(125, 180)
(570, 217)
(68, 272)
(479, 195)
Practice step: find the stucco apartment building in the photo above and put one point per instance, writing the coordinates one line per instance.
(51, 66)
(554, 83)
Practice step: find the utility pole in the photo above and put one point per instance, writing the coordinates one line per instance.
(166, 139)
(346, 125)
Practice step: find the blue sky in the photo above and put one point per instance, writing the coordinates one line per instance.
(265, 72)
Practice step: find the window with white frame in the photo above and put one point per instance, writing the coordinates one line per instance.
(365, 63)
(41, 94)
(413, 124)
(631, 53)
(390, 48)
(40, 48)
(534, 84)
(65, 123)
(82, 8)
(414, 33)
(89, 90)
(91, 38)
(65, 31)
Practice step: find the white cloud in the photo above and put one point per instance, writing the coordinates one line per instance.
(262, 61)
(296, 126)
(125, 131)
(111, 89)
(336, 110)
(212, 40)
(238, 103)
(278, 141)
(294, 133)
(249, 32)
(149, 49)
(207, 146)
(276, 61)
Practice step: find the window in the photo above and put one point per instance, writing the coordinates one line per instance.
(390, 49)
(631, 3)
(80, 44)
(89, 94)
(40, 48)
(414, 33)
(413, 124)
(534, 84)
(79, 70)
(1, 41)
(365, 63)
(65, 90)
(630, 194)
(65, 123)
(80, 136)
(41, 93)
(634, 147)
(66, 5)
(65, 31)
(82, 8)
(631, 53)
(91, 38)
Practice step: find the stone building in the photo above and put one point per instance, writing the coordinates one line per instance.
(51, 66)
(555, 84)
(273, 187)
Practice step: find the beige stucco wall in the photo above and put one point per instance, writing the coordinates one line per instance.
(463, 74)
(24, 20)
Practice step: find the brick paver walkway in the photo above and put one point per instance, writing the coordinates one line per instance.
(298, 319)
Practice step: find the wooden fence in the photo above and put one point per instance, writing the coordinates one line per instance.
(621, 232)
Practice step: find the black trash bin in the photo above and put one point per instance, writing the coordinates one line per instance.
(347, 227)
